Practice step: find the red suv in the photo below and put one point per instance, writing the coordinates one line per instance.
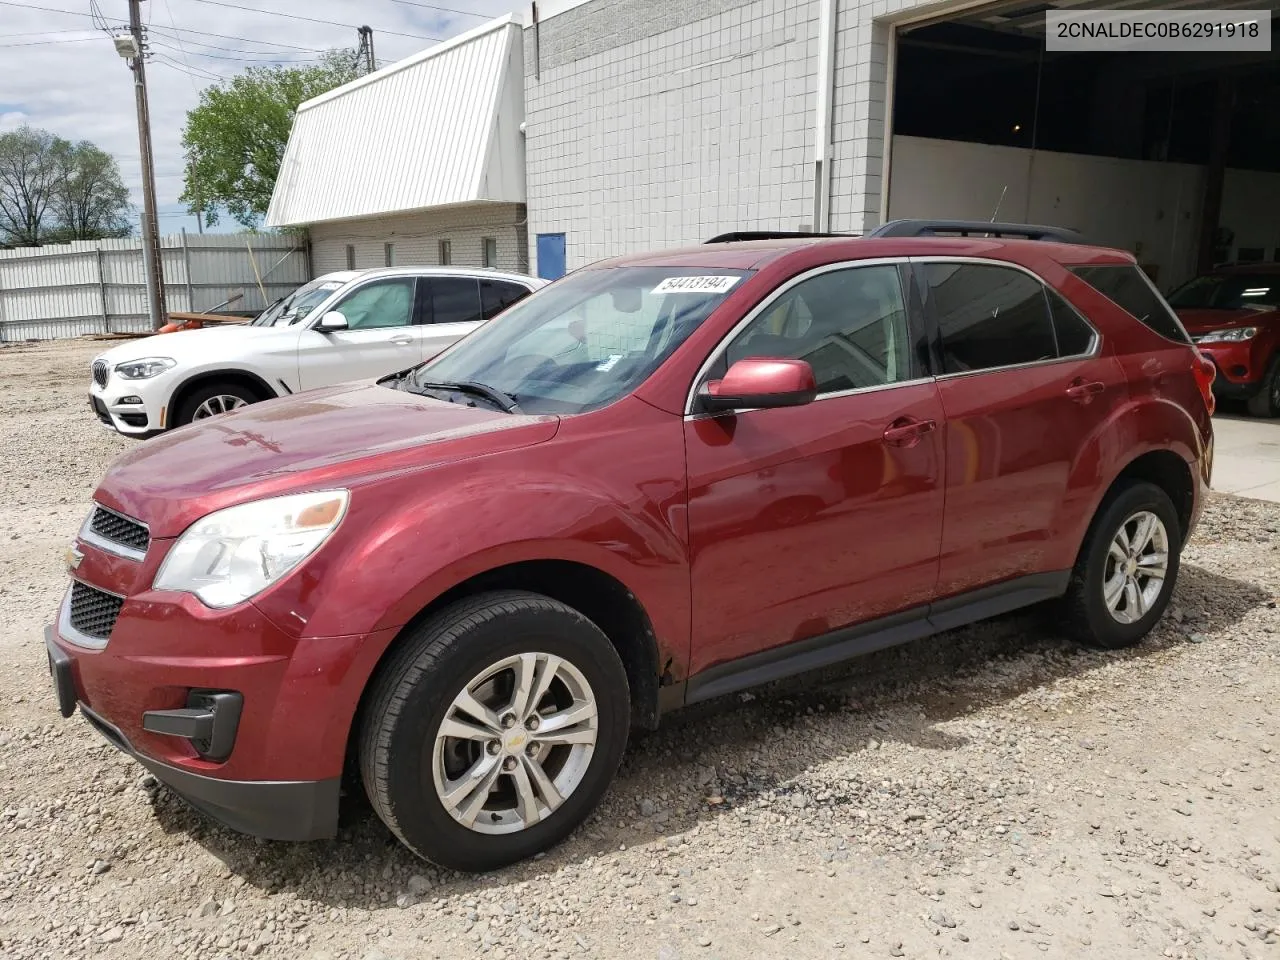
(658, 480)
(1233, 314)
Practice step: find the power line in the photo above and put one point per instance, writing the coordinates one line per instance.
(213, 46)
(327, 23)
(181, 47)
(223, 36)
(32, 6)
(186, 30)
(214, 56)
(41, 43)
(432, 6)
(198, 72)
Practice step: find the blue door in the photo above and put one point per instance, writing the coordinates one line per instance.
(551, 256)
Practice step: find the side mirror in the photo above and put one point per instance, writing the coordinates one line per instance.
(761, 383)
(332, 321)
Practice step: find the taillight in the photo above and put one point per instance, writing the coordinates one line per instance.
(1205, 373)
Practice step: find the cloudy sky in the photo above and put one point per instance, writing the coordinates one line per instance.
(61, 73)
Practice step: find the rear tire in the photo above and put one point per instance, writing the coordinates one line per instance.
(213, 399)
(1127, 568)
(1266, 402)
(468, 771)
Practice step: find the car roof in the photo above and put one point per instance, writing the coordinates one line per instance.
(755, 254)
(483, 273)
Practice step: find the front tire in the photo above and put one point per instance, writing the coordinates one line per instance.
(1266, 402)
(1127, 568)
(212, 400)
(494, 730)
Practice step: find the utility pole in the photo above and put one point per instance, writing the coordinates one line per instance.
(366, 49)
(133, 48)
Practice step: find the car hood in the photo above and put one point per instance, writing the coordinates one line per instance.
(1201, 320)
(333, 437)
(200, 345)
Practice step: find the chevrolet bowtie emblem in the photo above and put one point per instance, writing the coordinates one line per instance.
(74, 557)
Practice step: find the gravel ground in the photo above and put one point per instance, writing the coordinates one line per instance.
(995, 792)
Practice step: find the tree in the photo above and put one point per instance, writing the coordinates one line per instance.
(235, 138)
(52, 190)
(90, 200)
(28, 175)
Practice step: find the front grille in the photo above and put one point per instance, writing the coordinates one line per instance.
(93, 612)
(100, 372)
(111, 526)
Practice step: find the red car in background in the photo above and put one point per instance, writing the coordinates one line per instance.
(1233, 314)
(661, 479)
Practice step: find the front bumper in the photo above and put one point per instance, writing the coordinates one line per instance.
(271, 809)
(139, 419)
(1239, 376)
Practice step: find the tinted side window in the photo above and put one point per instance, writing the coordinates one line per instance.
(455, 300)
(850, 325)
(383, 303)
(497, 295)
(989, 316)
(1127, 288)
(1075, 336)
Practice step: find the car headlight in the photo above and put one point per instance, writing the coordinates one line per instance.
(1233, 335)
(146, 368)
(234, 554)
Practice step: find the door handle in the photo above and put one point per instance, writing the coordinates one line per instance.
(402, 341)
(1082, 391)
(907, 431)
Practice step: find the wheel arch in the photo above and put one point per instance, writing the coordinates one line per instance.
(597, 595)
(237, 376)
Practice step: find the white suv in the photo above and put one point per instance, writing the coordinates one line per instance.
(352, 325)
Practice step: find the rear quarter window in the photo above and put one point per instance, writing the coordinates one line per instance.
(1127, 287)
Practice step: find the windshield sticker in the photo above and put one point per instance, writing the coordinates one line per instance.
(696, 285)
(609, 363)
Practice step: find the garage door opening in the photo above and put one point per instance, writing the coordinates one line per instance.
(1172, 156)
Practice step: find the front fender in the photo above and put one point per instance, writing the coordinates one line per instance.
(614, 501)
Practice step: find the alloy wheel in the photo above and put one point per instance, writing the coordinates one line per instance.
(1137, 565)
(223, 403)
(515, 743)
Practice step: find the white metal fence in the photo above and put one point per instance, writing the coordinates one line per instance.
(99, 286)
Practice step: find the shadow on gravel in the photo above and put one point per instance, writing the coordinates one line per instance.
(726, 753)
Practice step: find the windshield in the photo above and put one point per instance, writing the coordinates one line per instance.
(1230, 291)
(297, 305)
(585, 340)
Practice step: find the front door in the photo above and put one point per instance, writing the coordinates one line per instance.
(1023, 388)
(806, 519)
(379, 338)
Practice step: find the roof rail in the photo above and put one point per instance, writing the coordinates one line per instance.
(738, 235)
(965, 228)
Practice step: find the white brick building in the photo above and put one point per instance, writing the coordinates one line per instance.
(421, 162)
(659, 122)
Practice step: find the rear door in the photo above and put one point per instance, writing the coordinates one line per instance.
(1023, 386)
(379, 338)
(451, 310)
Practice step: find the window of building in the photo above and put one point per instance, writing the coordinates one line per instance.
(1127, 287)
(490, 251)
(989, 316)
(446, 253)
(389, 254)
(351, 257)
(455, 300)
(850, 325)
